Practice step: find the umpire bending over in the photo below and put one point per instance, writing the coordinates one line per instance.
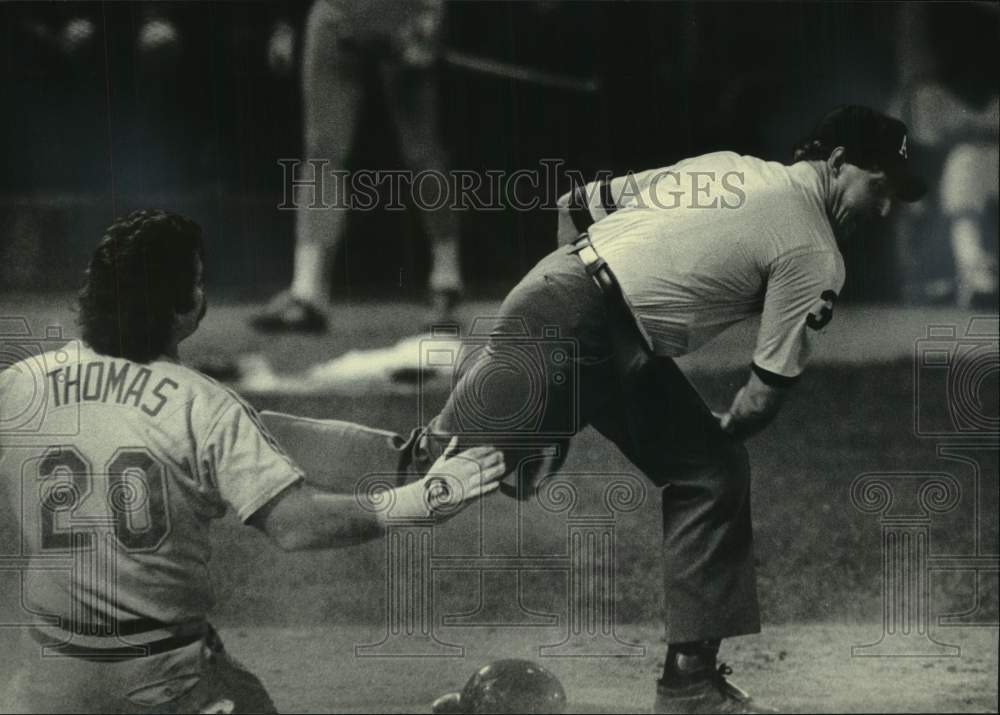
(674, 257)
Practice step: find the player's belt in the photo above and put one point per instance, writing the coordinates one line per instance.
(601, 273)
(103, 642)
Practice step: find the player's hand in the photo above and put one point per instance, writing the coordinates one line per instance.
(454, 480)
(458, 477)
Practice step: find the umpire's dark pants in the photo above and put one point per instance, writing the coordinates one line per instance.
(526, 400)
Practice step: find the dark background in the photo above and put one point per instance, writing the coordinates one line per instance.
(94, 131)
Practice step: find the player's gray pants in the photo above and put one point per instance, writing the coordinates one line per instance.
(645, 406)
(333, 91)
(198, 678)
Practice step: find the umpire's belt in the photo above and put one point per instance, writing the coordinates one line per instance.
(600, 272)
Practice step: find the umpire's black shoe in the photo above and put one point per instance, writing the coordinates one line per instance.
(288, 314)
(707, 693)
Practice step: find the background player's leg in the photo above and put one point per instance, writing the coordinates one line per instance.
(332, 94)
(967, 186)
(412, 96)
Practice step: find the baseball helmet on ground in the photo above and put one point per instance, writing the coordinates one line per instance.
(506, 686)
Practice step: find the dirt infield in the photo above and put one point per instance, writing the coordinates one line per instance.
(796, 668)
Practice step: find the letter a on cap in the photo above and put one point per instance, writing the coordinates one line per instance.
(902, 149)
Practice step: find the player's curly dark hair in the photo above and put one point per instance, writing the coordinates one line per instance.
(141, 274)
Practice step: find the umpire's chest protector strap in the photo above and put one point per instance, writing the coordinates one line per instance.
(621, 310)
(580, 210)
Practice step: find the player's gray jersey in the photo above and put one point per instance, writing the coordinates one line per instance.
(117, 469)
(707, 242)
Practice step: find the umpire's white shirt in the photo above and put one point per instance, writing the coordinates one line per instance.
(709, 241)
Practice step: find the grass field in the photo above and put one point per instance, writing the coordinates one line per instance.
(296, 617)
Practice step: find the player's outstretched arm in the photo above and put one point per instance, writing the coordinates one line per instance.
(753, 408)
(304, 517)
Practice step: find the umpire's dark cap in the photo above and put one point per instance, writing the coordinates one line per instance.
(872, 140)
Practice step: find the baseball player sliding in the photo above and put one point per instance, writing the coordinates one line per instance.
(666, 260)
(117, 478)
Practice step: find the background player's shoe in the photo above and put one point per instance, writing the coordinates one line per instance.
(710, 693)
(287, 313)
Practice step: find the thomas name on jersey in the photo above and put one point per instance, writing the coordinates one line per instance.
(109, 381)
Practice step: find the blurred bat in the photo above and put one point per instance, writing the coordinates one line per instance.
(506, 70)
